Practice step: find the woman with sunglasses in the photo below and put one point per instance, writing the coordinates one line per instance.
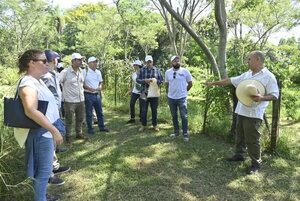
(40, 142)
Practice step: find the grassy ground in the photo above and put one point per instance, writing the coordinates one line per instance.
(127, 165)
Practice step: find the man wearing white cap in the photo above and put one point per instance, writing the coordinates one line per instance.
(148, 74)
(92, 90)
(250, 109)
(71, 80)
(136, 91)
(179, 82)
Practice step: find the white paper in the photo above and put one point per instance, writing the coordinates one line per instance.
(21, 135)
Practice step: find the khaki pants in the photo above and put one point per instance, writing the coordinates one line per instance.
(248, 136)
(79, 110)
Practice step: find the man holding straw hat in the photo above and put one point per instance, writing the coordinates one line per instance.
(254, 89)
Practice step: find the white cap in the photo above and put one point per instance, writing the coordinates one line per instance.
(174, 57)
(91, 59)
(137, 62)
(76, 56)
(148, 58)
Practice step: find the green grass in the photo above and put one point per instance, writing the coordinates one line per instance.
(127, 165)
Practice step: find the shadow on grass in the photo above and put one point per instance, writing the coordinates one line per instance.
(127, 165)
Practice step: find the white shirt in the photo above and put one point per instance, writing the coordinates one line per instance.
(268, 80)
(92, 78)
(72, 85)
(43, 94)
(178, 81)
(135, 90)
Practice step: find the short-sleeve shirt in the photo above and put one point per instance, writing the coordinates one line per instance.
(268, 80)
(72, 85)
(137, 87)
(92, 78)
(43, 94)
(178, 81)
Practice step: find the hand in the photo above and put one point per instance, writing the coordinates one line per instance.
(257, 98)
(57, 137)
(148, 81)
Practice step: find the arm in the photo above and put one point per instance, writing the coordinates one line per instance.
(30, 103)
(267, 97)
(223, 82)
(189, 86)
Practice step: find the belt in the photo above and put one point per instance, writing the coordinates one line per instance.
(91, 93)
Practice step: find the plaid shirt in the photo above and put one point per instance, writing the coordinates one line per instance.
(146, 73)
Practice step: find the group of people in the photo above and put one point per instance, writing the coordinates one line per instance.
(80, 91)
(179, 82)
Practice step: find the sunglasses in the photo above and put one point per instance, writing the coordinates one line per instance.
(42, 60)
(174, 75)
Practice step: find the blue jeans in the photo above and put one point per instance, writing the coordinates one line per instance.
(43, 158)
(134, 97)
(144, 110)
(93, 101)
(182, 105)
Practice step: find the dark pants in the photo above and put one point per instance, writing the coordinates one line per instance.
(134, 97)
(93, 101)
(247, 135)
(144, 110)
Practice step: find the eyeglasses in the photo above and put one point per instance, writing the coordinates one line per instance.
(174, 75)
(42, 60)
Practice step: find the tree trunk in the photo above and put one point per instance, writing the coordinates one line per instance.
(195, 36)
(221, 17)
(275, 120)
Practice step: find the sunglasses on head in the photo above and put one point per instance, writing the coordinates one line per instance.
(42, 60)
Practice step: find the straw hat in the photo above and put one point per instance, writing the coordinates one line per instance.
(248, 88)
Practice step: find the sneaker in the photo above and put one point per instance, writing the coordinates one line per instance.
(253, 169)
(186, 138)
(235, 158)
(155, 128)
(130, 121)
(104, 129)
(51, 197)
(80, 136)
(61, 149)
(61, 170)
(142, 128)
(55, 180)
(174, 135)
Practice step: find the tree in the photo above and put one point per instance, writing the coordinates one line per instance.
(221, 20)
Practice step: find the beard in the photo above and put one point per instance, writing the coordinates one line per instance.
(176, 66)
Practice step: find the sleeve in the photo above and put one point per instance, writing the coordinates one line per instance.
(236, 80)
(160, 79)
(188, 76)
(100, 77)
(27, 83)
(166, 76)
(62, 76)
(139, 78)
(272, 87)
